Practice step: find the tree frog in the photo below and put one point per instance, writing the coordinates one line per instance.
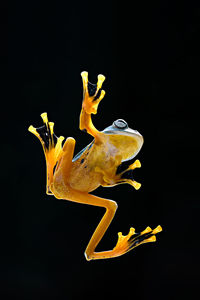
(106, 161)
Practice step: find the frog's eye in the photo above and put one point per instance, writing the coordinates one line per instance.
(120, 124)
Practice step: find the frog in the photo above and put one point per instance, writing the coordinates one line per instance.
(107, 161)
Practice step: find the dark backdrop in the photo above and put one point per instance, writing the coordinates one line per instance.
(149, 53)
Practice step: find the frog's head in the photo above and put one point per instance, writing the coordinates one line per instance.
(126, 140)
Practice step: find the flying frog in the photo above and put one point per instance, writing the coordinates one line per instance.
(106, 161)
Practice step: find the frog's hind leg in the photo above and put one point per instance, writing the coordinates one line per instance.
(124, 174)
(52, 146)
(92, 95)
(124, 243)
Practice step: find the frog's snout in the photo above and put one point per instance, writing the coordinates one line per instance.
(120, 124)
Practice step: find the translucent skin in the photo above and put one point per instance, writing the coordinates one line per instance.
(107, 161)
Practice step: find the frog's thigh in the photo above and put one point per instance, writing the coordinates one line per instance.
(111, 207)
(68, 153)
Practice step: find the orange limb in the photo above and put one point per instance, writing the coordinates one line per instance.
(92, 95)
(124, 243)
(52, 147)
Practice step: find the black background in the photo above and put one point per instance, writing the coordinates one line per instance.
(149, 53)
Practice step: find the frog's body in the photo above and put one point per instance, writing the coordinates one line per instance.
(106, 161)
(97, 164)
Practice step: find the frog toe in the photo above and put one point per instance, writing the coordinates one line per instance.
(125, 243)
(146, 236)
(46, 134)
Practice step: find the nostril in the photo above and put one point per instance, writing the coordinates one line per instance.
(121, 124)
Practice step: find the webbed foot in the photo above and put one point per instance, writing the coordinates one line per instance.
(132, 239)
(123, 174)
(126, 176)
(92, 93)
(46, 135)
(52, 145)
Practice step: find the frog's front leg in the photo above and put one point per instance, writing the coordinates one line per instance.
(92, 95)
(117, 174)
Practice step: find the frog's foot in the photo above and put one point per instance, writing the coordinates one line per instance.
(123, 174)
(52, 145)
(50, 142)
(132, 239)
(126, 176)
(92, 93)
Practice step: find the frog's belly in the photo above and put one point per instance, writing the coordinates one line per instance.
(83, 176)
(84, 181)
